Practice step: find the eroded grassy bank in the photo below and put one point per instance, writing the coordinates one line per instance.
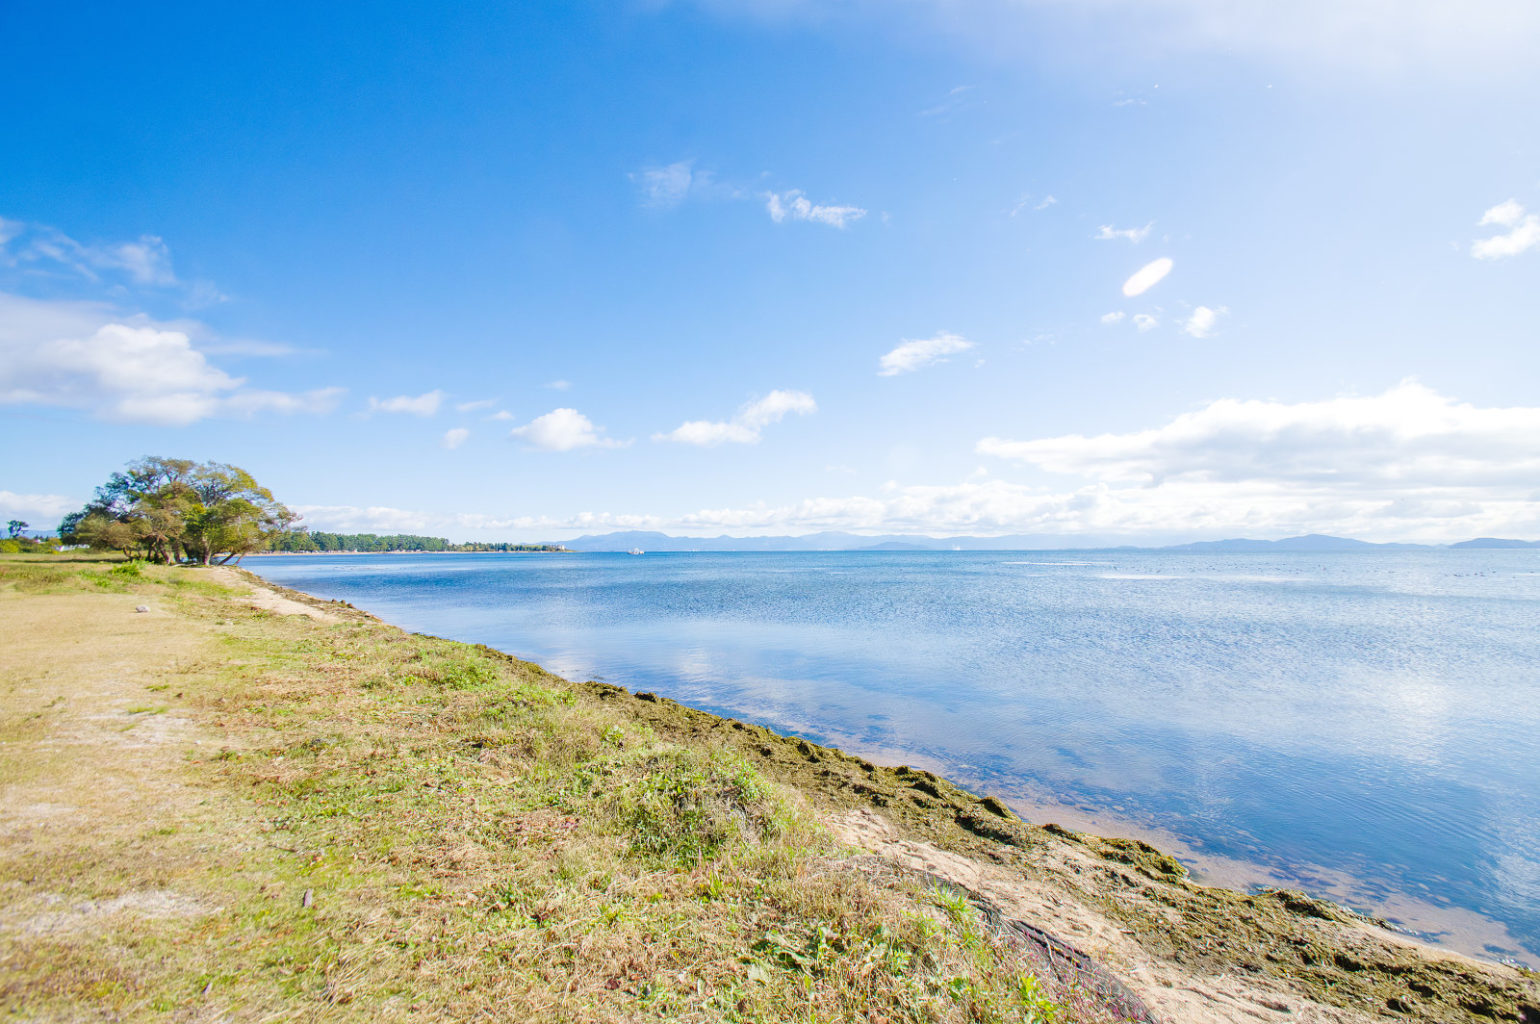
(219, 811)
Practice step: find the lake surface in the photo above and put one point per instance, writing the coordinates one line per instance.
(1366, 726)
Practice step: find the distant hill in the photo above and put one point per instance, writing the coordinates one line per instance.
(1496, 542)
(836, 541)
(1311, 542)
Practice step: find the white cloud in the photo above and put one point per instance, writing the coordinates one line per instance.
(1408, 437)
(501, 414)
(912, 354)
(794, 205)
(480, 403)
(562, 430)
(454, 438)
(426, 404)
(1203, 320)
(1505, 214)
(1108, 233)
(1522, 235)
(41, 511)
(745, 427)
(1114, 317)
(1147, 277)
(559, 385)
(85, 355)
(1146, 322)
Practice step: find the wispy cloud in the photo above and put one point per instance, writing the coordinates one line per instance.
(745, 427)
(668, 186)
(1032, 203)
(558, 385)
(956, 98)
(911, 354)
(1115, 317)
(1147, 277)
(143, 262)
(1522, 235)
(1108, 233)
(1483, 38)
(454, 438)
(563, 430)
(425, 404)
(474, 406)
(793, 205)
(1146, 322)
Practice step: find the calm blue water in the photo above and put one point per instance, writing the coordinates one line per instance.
(1365, 725)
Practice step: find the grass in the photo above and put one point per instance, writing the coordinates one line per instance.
(349, 822)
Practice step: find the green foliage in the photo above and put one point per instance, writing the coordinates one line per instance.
(168, 510)
(305, 541)
(684, 807)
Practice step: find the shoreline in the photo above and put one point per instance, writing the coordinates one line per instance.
(1447, 929)
(1242, 879)
(292, 714)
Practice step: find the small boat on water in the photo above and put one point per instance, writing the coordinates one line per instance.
(636, 551)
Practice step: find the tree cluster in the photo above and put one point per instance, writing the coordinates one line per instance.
(174, 510)
(320, 540)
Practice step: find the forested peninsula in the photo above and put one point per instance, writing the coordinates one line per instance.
(318, 541)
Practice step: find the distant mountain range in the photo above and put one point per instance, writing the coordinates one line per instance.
(640, 540)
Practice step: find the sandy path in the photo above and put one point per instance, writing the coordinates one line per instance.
(266, 598)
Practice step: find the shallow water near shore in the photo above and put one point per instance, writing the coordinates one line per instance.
(1365, 725)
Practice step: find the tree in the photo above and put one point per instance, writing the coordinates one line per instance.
(170, 510)
(15, 526)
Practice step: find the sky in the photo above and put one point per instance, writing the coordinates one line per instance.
(1098, 272)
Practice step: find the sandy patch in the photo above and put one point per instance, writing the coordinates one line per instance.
(1052, 903)
(62, 916)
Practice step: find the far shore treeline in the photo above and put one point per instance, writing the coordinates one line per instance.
(302, 541)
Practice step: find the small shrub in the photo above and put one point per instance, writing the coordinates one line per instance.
(686, 808)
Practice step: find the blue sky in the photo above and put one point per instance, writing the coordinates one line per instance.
(528, 271)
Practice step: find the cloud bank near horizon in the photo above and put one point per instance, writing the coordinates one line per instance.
(1408, 464)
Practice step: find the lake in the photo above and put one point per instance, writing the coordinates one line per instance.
(1365, 726)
